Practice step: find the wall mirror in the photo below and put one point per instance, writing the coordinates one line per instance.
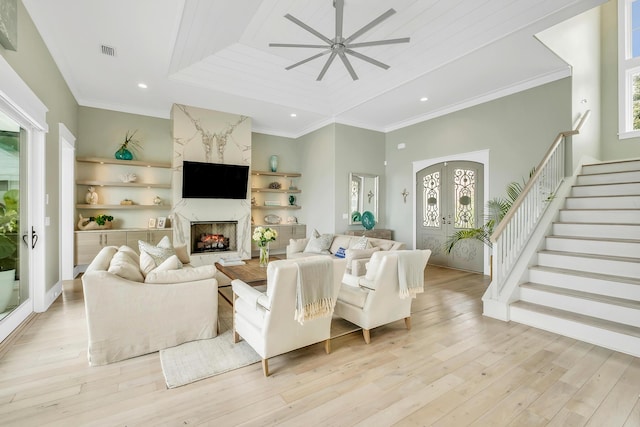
(363, 195)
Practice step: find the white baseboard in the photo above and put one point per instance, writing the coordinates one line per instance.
(78, 269)
(52, 294)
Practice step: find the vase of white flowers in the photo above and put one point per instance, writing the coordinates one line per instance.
(262, 236)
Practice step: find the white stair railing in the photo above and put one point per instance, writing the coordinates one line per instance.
(513, 232)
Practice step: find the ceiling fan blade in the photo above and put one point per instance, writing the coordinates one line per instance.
(380, 42)
(347, 64)
(324, 46)
(308, 28)
(367, 58)
(370, 25)
(311, 58)
(339, 5)
(326, 66)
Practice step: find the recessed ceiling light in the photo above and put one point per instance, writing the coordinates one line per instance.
(142, 85)
(293, 115)
(424, 99)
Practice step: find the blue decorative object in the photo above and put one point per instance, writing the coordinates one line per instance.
(340, 253)
(124, 154)
(368, 220)
(273, 163)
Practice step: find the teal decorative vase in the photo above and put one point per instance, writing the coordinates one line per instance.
(292, 200)
(273, 163)
(124, 154)
(368, 220)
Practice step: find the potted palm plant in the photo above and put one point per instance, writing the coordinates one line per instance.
(8, 247)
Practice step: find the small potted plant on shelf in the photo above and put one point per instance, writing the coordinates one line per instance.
(262, 236)
(99, 222)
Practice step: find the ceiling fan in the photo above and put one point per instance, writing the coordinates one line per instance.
(340, 46)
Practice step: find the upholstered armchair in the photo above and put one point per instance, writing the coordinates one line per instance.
(266, 320)
(377, 299)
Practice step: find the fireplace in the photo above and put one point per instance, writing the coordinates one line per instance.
(214, 236)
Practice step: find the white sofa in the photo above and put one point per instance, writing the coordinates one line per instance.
(128, 317)
(356, 258)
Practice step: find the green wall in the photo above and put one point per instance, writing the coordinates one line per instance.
(34, 64)
(517, 130)
(612, 148)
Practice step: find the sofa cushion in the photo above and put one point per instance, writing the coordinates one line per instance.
(353, 295)
(319, 245)
(352, 254)
(129, 251)
(384, 245)
(123, 265)
(181, 275)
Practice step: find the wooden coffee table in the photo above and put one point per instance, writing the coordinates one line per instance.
(251, 273)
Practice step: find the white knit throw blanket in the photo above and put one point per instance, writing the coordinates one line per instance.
(314, 290)
(411, 266)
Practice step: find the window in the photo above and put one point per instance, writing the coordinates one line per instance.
(629, 68)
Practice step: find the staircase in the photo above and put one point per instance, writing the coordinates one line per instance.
(586, 284)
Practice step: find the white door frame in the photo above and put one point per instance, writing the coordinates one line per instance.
(481, 156)
(19, 102)
(67, 143)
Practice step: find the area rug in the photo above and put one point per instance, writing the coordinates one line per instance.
(197, 360)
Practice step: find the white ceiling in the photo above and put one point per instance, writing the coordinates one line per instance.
(214, 54)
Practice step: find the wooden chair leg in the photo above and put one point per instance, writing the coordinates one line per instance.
(327, 346)
(366, 335)
(265, 367)
(407, 322)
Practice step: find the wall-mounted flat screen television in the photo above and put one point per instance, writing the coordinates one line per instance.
(214, 181)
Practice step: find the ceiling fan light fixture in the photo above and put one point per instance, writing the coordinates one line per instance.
(340, 46)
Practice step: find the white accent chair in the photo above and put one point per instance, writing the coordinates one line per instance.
(265, 320)
(376, 300)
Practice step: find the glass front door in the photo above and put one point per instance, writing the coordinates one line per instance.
(14, 284)
(449, 198)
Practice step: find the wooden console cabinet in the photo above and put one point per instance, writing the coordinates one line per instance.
(88, 243)
(376, 233)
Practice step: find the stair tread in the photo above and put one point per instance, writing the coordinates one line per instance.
(592, 256)
(600, 276)
(611, 162)
(608, 173)
(599, 209)
(595, 239)
(607, 183)
(581, 318)
(621, 302)
(603, 196)
(632, 224)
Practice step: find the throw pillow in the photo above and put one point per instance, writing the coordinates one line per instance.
(183, 253)
(374, 264)
(340, 253)
(361, 243)
(319, 245)
(122, 265)
(180, 276)
(384, 245)
(339, 242)
(129, 251)
(171, 263)
(158, 254)
(298, 245)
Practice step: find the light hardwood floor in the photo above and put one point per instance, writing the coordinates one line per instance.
(454, 368)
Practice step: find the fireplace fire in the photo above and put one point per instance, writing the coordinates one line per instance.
(213, 236)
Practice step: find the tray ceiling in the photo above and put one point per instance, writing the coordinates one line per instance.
(214, 54)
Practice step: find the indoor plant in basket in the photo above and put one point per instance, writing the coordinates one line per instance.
(262, 236)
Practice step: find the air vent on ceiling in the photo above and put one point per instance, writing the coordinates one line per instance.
(108, 50)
